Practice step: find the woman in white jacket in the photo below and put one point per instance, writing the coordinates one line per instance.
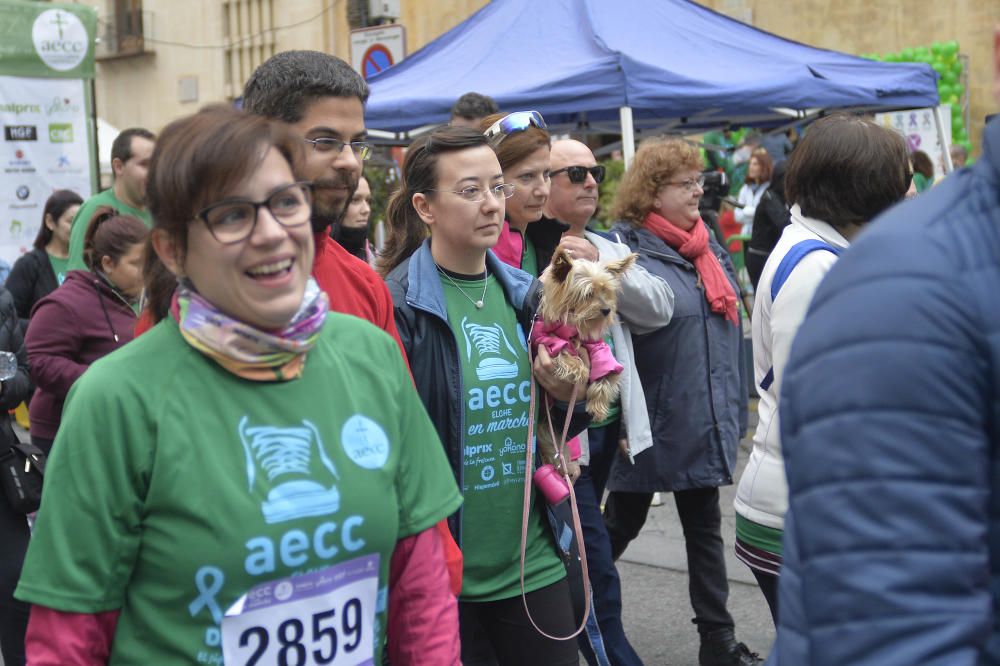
(757, 181)
(843, 173)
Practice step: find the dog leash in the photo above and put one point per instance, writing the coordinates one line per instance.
(528, 469)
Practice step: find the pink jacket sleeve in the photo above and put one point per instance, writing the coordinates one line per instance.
(423, 612)
(57, 638)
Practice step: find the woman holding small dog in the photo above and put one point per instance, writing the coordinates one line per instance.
(463, 316)
(692, 373)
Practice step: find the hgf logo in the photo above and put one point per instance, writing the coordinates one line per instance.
(60, 39)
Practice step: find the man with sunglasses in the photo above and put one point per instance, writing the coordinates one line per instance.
(575, 175)
(645, 303)
(323, 99)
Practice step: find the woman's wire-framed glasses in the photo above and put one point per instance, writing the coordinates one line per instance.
(476, 194)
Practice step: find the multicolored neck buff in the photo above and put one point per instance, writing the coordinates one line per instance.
(247, 351)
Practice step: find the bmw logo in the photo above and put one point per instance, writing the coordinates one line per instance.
(23, 192)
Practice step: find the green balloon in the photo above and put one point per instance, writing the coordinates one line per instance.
(968, 146)
(940, 68)
(936, 48)
(906, 55)
(960, 135)
(945, 90)
(949, 77)
(922, 52)
(956, 67)
(958, 89)
(951, 48)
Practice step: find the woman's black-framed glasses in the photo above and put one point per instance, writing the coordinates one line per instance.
(578, 174)
(233, 220)
(327, 144)
(513, 122)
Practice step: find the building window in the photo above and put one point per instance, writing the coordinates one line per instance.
(128, 26)
(248, 27)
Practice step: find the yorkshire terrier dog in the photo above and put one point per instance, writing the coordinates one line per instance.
(577, 308)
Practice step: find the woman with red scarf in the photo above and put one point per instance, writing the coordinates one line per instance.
(692, 374)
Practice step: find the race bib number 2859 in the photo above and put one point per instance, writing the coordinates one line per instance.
(324, 617)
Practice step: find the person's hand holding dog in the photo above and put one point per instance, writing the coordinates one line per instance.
(578, 248)
(559, 389)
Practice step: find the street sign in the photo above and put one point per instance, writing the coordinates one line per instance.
(374, 50)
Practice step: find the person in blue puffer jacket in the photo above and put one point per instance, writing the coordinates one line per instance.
(890, 425)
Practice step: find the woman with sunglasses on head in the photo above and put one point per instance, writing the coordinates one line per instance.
(462, 315)
(91, 315)
(691, 371)
(522, 145)
(252, 457)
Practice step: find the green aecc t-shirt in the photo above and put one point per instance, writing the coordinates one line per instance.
(496, 382)
(174, 487)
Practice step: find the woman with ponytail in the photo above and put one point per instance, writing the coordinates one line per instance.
(462, 315)
(89, 316)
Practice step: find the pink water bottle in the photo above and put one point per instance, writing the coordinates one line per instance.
(551, 484)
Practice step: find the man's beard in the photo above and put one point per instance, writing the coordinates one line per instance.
(327, 211)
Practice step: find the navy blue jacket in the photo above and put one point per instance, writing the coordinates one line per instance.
(890, 420)
(692, 374)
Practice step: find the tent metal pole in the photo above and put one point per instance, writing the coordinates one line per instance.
(945, 148)
(628, 136)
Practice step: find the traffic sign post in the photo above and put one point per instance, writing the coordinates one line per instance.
(374, 50)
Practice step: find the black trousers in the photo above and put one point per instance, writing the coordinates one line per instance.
(701, 519)
(14, 535)
(498, 633)
(768, 584)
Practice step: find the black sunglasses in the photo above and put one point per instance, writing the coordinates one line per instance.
(578, 174)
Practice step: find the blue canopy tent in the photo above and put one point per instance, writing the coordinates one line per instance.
(625, 65)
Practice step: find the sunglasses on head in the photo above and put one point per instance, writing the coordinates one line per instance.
(513, 122)
(578, 174)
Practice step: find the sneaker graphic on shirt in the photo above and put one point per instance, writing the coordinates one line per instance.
(497, 358)
(296, 464)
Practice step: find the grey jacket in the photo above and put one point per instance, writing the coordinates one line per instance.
(693, 377)
(645, 303)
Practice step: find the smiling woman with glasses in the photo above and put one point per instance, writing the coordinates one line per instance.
(250, 442)
(462, 315)
(522, 145)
